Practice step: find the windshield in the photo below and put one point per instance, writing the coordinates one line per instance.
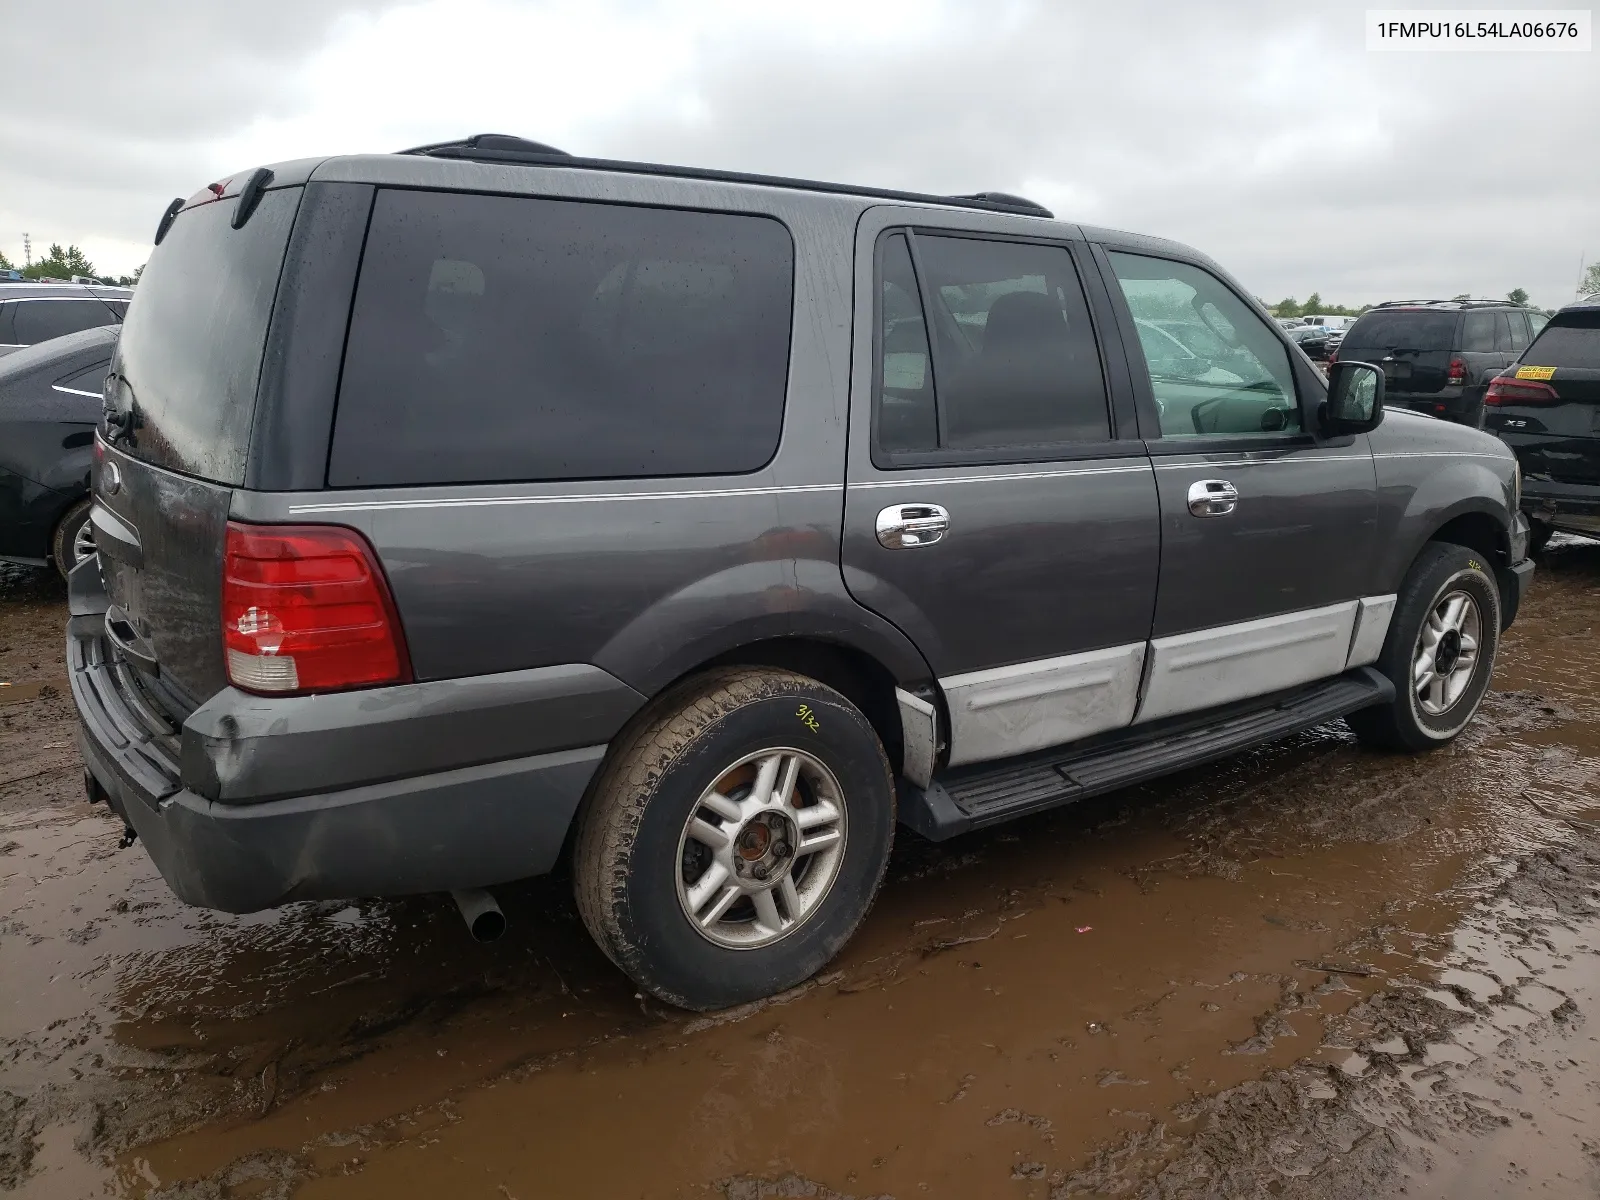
(191, 346)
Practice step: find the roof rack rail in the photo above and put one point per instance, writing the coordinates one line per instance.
(499, 142)
(505, 148)
(1455, 303)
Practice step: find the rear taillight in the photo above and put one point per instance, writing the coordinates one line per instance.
(1333, 357)
(1519, 391)
(305, 608)
(1457, 372)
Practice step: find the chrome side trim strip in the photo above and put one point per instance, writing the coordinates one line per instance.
(1193, 671)
(1010, 710)
(1372, 626)
(56, 387)
(930, 481)
(574, 498)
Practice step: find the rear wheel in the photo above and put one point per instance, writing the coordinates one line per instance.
(74, 538)
(1539, 534)
(735, 840)
(1439, 651)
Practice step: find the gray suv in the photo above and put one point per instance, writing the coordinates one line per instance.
(477, 509)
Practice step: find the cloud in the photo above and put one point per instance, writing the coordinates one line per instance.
(1262, 133)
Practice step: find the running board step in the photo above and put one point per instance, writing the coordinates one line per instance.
(989, 793)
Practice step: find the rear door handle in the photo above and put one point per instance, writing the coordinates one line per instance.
(1212, 498)
(902, 526)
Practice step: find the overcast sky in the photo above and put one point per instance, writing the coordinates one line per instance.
(1262, 132)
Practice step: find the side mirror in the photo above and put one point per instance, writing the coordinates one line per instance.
(1355, 399)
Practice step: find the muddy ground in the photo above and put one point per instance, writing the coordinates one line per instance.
(1306, 971)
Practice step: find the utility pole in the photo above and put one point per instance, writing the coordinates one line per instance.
(27, 251)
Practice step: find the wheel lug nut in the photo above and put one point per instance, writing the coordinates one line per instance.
(760, 871)
(780, 850)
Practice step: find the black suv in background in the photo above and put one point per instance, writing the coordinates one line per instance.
(1439, 355)
(1546, 407)
(463, 511)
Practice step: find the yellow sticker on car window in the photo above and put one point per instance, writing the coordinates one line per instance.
(1535, 372)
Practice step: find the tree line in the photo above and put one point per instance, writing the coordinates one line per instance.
(64, 263)
(1316, 305)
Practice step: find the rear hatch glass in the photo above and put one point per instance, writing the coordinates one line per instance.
(186, 369)
(1413, 347)
(191, 346)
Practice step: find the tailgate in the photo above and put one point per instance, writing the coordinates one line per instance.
(180, 402)
(1412, 347)
(160, 537)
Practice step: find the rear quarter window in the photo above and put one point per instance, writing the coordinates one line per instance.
(508, 338)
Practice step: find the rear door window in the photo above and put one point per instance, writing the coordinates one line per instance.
(1519, 331)
(1502, 332)
(189, 353)
(507, 338)
(1015, 365)
(40, 320)
(1215, 367)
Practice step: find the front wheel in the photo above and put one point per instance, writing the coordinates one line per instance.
(1439, 652)
(735, 840)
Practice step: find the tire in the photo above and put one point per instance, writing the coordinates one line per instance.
(71, 538)
(640, 869)
(1427, 603)
(1539, 534)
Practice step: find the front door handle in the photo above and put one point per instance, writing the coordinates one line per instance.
(1212, 498)
(902, 526)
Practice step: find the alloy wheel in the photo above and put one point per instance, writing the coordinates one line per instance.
(1446, 653)
(761, 848)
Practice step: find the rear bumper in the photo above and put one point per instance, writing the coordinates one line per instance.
(1574, 507)
(257, 801)
(1457, 402)
(455, 829)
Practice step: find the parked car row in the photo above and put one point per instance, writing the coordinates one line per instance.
(1438, 356)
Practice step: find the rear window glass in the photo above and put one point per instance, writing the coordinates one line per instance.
(1570, 341)
(190, 350)
(40, 320)
(1404, 330)
(503, 338)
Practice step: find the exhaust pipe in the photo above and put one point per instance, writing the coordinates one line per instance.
(484, 919)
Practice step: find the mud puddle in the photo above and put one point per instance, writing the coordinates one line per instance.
(1305, 971)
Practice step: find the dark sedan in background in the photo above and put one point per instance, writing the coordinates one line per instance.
(31, 313)
(50, 402)
(1313, 339)
(1546, 407)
